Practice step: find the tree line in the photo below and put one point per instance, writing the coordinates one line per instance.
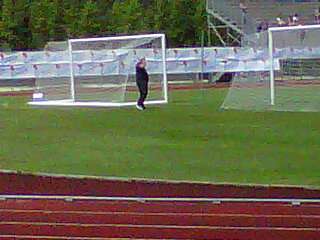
(30, 24)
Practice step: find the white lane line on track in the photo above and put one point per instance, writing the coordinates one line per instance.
(249, 205)
(161, 199)
(162, 214)
(157, 226)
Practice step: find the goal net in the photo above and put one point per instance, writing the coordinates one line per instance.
(101, 72)
(284, 73)
(52, 74)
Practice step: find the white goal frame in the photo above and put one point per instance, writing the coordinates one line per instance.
(72, 101)
(270, 48)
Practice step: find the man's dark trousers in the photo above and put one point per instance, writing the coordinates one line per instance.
(143, 89)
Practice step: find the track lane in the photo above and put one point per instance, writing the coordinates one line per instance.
(163, 207)
(160, 232)
(134, 218)
(13, 237)
(159, 220)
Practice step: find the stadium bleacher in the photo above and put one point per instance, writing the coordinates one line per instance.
(270, 10)
(245, 21)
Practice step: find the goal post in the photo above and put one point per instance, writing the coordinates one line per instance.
(286, 75)
(271, 67)
(72, 90)
(102, 72)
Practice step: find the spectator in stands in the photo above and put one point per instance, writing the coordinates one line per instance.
(295, 19)
(317, 15)
(290, 20)
(265, 26)
(259, 28)
(280, 22)
(244, 9)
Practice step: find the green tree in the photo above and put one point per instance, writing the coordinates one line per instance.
(31, 23)
(182, 20)
(127, 17)
(104, 16)
(43, 18)
(89, 24)
(199, 20)
(159, 14)
(71, 17)
(14, 26)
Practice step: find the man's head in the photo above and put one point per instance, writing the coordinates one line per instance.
(142, 63)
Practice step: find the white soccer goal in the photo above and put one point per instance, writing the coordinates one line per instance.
(289, 78)
(100, 72)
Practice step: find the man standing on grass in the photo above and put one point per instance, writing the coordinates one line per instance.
(142, 79)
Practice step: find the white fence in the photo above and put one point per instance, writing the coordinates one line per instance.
(26, 65)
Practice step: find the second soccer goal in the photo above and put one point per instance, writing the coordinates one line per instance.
(287, 76)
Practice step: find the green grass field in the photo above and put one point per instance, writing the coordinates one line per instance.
(189, 139)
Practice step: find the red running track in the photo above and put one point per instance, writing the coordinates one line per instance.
(14, 183)
(58, 219)
(97, 220)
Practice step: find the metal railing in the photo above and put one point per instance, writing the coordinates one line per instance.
(232, 13)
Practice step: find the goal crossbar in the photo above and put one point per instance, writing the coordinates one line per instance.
(118, 38)
(275, 29)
